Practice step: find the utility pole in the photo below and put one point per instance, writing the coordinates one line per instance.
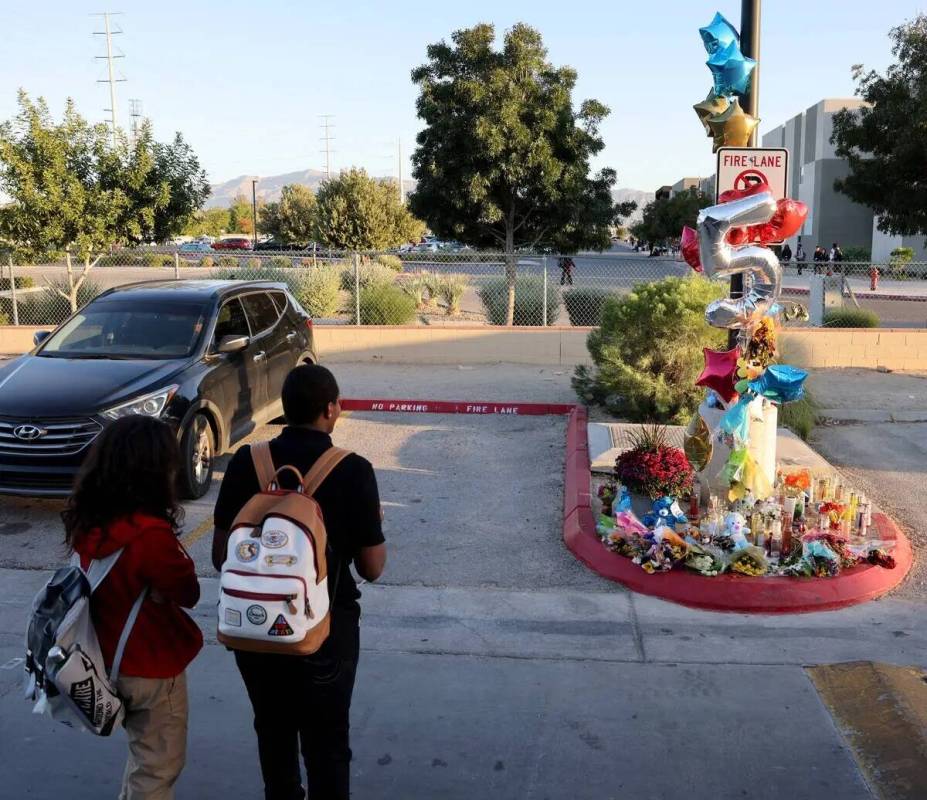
(135, 112)
(112, 80)
(254, 183)
(402, 194)
(327, 138)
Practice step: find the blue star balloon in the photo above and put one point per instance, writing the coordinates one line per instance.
(718, 34)
(731, 70)
(780, 383)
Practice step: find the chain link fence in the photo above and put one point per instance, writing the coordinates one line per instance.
(441, 287)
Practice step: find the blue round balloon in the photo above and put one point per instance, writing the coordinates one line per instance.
(780, 383)
(731, 70)
(718, 34)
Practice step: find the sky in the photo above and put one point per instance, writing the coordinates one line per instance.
(246, 82)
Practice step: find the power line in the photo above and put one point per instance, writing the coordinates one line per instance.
(112, 80)
(327, 138)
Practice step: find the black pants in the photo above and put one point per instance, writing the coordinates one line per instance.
(303, 704)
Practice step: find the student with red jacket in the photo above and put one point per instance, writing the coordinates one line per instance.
(125, 498)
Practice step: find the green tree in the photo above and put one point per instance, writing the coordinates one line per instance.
(176, 167)
(241, 216)
(664, 218)
(357, 212)
(209, 222)
(68, 189)
(503, 160)
(292, 218)
(885, 143)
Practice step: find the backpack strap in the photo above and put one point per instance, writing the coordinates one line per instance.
(323, 466)
(99, 568)
(263, 464)
(124, 636)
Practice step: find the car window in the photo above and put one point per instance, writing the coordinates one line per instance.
(261, 311)
(279, 301)
(231, 321)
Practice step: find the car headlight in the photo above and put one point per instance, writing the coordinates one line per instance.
(149, 405)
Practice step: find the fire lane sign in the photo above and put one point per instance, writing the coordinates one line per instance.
(743, 167)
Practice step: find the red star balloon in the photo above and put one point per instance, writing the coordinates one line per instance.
(688, 243)
(720, 373)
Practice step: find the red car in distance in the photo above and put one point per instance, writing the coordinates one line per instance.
(233, 243)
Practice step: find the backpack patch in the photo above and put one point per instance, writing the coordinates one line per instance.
(280, 627)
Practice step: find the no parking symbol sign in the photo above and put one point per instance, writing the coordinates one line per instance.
(743, 167)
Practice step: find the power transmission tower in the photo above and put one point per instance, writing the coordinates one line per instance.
(327, 138)
(135, 112)
(112, 80)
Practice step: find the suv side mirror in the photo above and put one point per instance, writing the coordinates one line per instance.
(40, 336)
(233, 344)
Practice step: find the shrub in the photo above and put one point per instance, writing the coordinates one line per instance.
(800, 416)
(370, 274)
(416, 286)
(318, 290)
(280, 262)
(391, 261)
(902, 255)
(157, 260)
(228, 262)
(22, 282)
(4, 319)
(386, 304)
(254, 263)
(851, 318)
(648, 350)
(207, 262)
(529, 301)
(451, 288)
(855, 253)
(431, 280)
(585, 305)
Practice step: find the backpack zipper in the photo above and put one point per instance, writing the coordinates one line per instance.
(266, 596)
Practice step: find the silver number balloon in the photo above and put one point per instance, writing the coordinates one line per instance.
(759, 265)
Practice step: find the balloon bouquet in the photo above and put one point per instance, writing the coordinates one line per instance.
(732, 239)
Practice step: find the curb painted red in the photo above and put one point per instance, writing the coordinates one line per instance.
(455, 407)
(731, 593)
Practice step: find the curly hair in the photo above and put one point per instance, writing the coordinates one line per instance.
(131, 467)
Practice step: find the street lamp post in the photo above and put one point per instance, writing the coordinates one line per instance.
(750, 13)
(254, 182)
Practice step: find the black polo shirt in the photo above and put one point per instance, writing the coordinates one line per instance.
(348, 497)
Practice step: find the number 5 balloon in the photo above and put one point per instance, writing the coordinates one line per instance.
(759, 265)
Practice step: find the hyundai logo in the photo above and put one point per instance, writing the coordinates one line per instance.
(28, 433)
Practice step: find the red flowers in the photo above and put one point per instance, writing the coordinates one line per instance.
(655, 472)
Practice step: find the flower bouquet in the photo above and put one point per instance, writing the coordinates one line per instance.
(702, 560)
(652, 467)
(750, 561)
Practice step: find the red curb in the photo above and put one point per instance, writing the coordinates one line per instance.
(730, 593)
(455, 407)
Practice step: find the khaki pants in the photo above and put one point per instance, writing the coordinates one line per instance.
(156, 725)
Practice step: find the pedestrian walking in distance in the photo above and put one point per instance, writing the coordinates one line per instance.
(125, 498)
(302, 703)
(820, 256)
(836, 255)
(566, 270)
(800, 259)
(785, 255)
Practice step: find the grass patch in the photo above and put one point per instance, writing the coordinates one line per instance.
(801, 416)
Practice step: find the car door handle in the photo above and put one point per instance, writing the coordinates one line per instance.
(260, 356)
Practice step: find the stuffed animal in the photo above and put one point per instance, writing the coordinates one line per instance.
(735, 526)
(665, 511)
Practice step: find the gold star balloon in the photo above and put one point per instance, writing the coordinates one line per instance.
(732, 127)
(711, 106)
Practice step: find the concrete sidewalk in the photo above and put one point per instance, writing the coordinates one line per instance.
(468, 693)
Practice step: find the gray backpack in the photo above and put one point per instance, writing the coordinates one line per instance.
(65, 672)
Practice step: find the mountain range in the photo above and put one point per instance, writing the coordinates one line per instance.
(268, 189)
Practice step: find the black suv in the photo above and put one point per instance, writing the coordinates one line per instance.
(208, 357)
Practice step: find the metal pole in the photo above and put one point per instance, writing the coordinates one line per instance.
(750, 18)
(176, 266)
(13, 293)
(254, 213)
(112, 78)
(544, 304)
(357, 317)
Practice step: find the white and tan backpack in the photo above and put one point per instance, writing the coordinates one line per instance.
(273, 593)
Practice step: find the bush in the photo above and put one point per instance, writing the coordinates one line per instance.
(902, 255)
(854, 253)
(48, 307)
(157, 260)
(800, 416)
(648, 350)
(585, 305)
(391, 261)
(370, 274)
(386, 304)
(529, 301)
(254, 263)
(416, 286)
(207, 262)
(22, 282)
(280, 262)
(318, 290)
(451, 288)
(4, 319)
(851, 318)
(229, 262)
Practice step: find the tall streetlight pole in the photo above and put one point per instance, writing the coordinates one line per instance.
(750, 14)
(254, 183)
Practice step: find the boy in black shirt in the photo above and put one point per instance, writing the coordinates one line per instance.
(303, 702)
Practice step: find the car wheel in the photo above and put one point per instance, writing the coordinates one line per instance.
(197, 450)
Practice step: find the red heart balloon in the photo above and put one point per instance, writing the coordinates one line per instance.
(787, 221)
(737, 194)
(688, 243)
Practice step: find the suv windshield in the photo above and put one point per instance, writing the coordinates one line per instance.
(129, 329)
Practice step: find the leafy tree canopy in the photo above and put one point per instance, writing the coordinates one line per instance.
(291, 219)
(664, 218)
(241, 215)
(209, 222)
(885, 143)
(357, 212)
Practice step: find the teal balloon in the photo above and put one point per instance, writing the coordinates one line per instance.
(718, 34)
(731, 70)
(780, 383)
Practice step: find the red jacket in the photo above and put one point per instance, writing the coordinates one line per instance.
(164, 639)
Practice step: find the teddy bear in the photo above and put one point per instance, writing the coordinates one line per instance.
(665, 511)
